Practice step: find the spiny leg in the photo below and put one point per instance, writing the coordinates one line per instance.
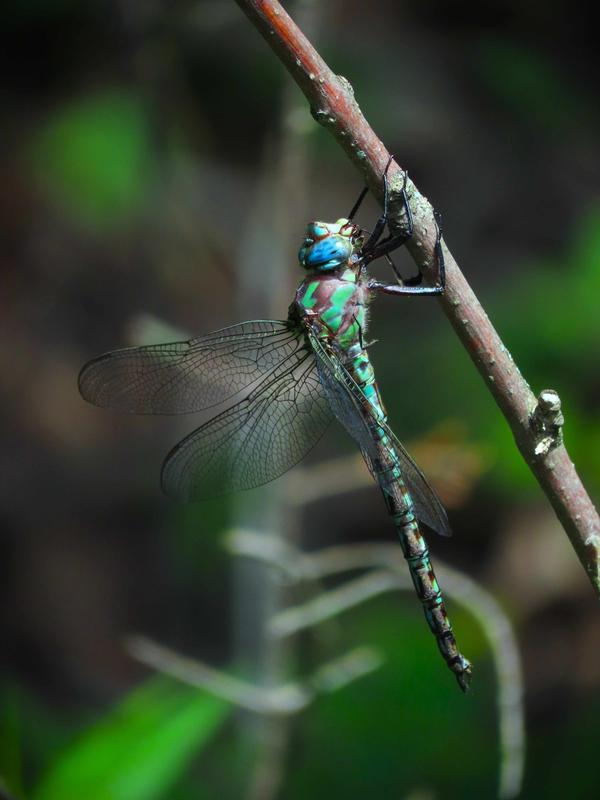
(382, 221)
(412, 286)
(396, 271)
(379, 228)
(360, 332)
(358, 203)
(375, 247)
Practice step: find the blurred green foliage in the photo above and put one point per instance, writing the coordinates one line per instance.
(11, 741)
(529, 83)
(553, 347)
(571, 742)
(95, 156)
(381, 736)
(139, 750)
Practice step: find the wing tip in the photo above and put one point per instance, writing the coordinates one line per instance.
(83, 380)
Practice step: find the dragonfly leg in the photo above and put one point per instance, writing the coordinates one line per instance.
(396, 271)
(360, 332)
(358, 203)
(375, 247)
(382, 221)
(412, 286)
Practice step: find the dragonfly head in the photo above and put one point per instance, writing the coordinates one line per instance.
(329, 245)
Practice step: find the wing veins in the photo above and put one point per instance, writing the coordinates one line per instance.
(180, 377)
(429, 508)
(254, 440)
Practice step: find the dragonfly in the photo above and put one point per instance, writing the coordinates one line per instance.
(285, 381)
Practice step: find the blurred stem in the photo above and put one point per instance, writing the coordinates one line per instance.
(276, 701)
(268, 244)
(257, 594)
(388, 573)
(333, 105)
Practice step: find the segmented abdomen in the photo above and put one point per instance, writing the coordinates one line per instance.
(387, 473)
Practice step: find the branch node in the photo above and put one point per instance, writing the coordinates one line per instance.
(346, 85)
(546, 422)
(324, 117)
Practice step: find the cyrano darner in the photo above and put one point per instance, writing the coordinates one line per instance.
(293, 377)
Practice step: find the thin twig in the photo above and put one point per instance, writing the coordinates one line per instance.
(332, 603)
(390, 574)
(282, 700)
(487, 612)
(333, 105)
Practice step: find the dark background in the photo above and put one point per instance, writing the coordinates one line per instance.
(157, 170)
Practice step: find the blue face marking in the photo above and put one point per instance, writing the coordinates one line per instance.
(317, 230)
(329, 253)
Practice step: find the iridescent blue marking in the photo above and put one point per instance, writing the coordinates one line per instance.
(329, 253)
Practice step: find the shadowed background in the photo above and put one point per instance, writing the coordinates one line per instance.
(157, 171)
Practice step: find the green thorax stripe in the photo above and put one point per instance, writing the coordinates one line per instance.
(341, 296)
(308, 301)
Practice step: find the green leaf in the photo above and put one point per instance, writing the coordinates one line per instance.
(140, 749)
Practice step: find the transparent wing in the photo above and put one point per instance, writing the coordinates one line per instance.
(254, 441)
(348, 405)
(429, 507)
(182, 377)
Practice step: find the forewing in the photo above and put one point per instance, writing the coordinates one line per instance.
(254, 441)
(347, 403)
(188, 376)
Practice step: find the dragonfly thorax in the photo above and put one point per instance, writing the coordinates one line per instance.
(329, 245)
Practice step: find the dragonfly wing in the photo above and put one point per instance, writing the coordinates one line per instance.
(347, 403)
(254, 441)
(429, 507)
(188, 376)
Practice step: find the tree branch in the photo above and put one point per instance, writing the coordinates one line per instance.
(333, 105)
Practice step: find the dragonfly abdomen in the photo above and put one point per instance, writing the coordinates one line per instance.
(416, 553)
(385, 465)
